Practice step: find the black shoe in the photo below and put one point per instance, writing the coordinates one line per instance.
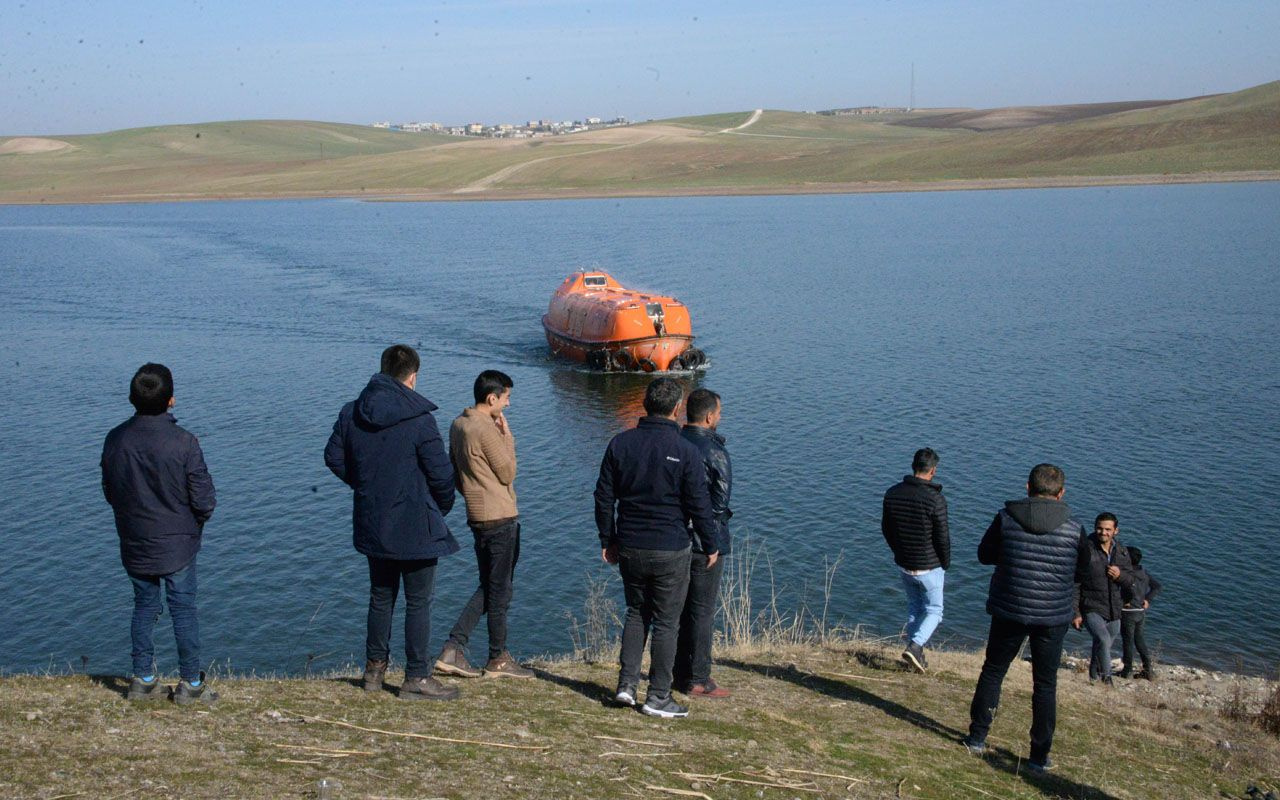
(188, 694)
(1107, 681)
(1125, 673)
(374, 673)
(914, 656)
(664, 707)
(626, 695)
(427, 689)
(140, 690)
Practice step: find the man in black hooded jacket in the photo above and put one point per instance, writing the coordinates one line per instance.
(387, 448)
(1036, 548)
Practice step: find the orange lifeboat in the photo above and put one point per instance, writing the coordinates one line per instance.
(593, 319)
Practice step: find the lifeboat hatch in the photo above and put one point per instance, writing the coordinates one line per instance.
(655, 313)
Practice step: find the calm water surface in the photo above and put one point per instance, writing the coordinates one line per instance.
(1130, 335)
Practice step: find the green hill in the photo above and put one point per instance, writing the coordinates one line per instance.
(738, 152)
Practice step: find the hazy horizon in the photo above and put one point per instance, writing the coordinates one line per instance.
(67, 69)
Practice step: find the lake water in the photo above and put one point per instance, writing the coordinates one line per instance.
(1129, 335)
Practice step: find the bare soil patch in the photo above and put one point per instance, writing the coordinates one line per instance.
(29, 145)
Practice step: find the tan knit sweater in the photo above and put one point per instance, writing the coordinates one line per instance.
(484, 460)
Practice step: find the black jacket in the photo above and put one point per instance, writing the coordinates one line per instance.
(1097, 593)
(386, 447)
(1035, 546)
(656, 479)
(154, 477)
(1144, 587)
(914, 523)
(715, 460)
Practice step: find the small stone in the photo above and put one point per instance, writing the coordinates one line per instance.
(1223, 744)
(508, 778)
(752, 744)
(697, 787)
(32, 716)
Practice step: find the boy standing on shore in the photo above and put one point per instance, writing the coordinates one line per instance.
(154, 477)
(483, 452)
(1137, 599)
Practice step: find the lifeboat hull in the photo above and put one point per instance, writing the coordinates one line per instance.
(592, 319)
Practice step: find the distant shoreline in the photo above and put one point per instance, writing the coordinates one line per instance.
(812, 188)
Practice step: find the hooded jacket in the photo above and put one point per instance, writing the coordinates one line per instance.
(914, 524)
(715, 460)
(386, 446)
(1036, 548)
(154, 477)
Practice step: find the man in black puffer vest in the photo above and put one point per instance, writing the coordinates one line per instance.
(1036, 548)
(914, 523)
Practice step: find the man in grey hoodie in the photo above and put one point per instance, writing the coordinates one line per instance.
(1035, 546)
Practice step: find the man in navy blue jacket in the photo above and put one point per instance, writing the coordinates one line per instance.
(154, 477)
(655, 479)
(386, 446)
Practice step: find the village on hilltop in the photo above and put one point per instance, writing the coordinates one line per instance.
(532, 129)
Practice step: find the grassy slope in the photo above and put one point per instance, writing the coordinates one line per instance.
(890, 733)
(782, 150)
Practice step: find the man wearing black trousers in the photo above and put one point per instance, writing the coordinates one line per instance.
(655, 480)
(693, 647)
(1036, 547)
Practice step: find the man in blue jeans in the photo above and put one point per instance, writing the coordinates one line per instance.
(1036, 548)
(154, 477)
(386, 446)
(914, 524)
(655, 480)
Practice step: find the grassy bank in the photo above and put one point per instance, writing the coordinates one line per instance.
(841, 719)
(1225, 137)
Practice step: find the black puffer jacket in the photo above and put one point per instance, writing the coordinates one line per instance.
(719, 481)
(1097, 593)
(914, 523)
(1036, 548)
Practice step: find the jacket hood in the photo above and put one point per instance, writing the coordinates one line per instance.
(1038, 514)
(914, 481)
(386, 402)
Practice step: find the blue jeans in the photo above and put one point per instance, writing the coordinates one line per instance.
(924, 603)
(180, 591)
(1104, 633)
(419, 579)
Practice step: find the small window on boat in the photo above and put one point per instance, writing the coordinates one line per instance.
(653, 309)
(593, 280)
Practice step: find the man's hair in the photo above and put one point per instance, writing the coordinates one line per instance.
(491, 382)
(1106, 516)
(701, 402)
(151, 389)
(400, 361)
(924, 460)
(662, 397)
(1046, 480)
(1135, 555)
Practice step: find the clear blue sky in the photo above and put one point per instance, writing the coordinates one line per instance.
(78, 67)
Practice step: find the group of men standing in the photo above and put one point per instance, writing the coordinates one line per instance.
(1049, 575)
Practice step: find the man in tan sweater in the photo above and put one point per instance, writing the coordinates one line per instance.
(483, 452)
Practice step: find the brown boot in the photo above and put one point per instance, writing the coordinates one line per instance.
(374, 672)
(453, 661)
(504, 666)
(427, 689)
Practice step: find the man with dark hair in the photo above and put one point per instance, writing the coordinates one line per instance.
(1105, 574)
(1035, 546)
(386, 446)
(914, 524)
(692, 671)
(483, 452)
(154, 477)
(655, 480)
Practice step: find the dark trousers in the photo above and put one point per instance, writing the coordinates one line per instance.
(497, 552)
(655, 583)
(180, 591)
(693, 646)
(1131, 624)
(1003, 645)
(385, 576)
